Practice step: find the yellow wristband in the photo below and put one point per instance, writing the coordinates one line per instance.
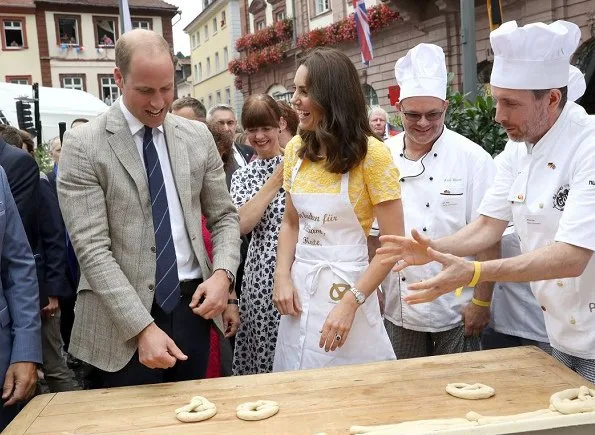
(480, 303)
(476, 274)
(474, 280)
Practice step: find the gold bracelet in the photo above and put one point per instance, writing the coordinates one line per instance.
(474, 280)
(480, 303)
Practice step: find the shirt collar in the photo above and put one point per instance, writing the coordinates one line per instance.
(544, 143)
(134, 124)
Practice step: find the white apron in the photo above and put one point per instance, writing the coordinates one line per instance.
(331, 255)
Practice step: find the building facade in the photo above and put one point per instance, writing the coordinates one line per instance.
(212, 34)
(429, 21)
(70, 43)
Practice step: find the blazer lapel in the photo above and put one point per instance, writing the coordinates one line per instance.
(124, 147)
(180, 165)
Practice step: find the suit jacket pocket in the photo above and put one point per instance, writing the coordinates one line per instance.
(4, 317)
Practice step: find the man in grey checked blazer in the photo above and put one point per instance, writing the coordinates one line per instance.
(104, 194)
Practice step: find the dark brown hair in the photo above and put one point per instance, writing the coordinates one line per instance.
(290, 116)
(260, 110)
(223, 141)
(11, 136)
(540, 93)
(333, 85)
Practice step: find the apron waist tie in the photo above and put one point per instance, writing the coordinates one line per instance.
(342, 272)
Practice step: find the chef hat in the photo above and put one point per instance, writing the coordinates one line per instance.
(533, 57)
(576, 84)
(422, 72)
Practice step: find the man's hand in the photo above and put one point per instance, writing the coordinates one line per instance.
(404, 251)
(231, 319)
(456, 272)
(20, 382)
(50, 309)
(285, 296)
(157, 350)
(210, 298)
(475, 318)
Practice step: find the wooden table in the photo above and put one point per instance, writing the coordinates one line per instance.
(324, 400)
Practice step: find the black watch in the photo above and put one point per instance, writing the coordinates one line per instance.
(231, 278)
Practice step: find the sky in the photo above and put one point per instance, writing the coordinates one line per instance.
(190, 9)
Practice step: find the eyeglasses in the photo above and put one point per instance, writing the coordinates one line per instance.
(416, 117)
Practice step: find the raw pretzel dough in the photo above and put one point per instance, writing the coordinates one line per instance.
(470, 391)
(259, 410)
(198, 409)
(573, 400)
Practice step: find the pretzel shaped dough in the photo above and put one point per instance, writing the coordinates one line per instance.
(470, 391)
(252, 411)
(198, 409)
(573, 400)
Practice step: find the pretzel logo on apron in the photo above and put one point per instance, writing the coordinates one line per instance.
(337, 291)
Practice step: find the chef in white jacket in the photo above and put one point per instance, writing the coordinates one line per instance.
(517, 318)
(545, 183)
(443, 179)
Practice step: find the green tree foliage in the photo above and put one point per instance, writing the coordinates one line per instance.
(475, 121)
(42, 156)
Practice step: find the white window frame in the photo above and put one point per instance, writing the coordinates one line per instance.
(13, 27)
(218, 98)
(280, 16)
(225, 57)
(138, 24)
(215, 25)
(321, 6)
(114, 91)
(206, 32)
(79, 86)
(208, 67)
(217, 66)
(228, 96)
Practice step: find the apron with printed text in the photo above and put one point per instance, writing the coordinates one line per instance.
(331, 255)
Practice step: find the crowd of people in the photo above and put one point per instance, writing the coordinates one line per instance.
(167, 244)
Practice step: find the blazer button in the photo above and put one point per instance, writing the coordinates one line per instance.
(153, 250)
(543, 308)
(151, 287)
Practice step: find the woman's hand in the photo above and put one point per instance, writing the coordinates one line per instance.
(338, 323)
(285, 296)
(276, 178)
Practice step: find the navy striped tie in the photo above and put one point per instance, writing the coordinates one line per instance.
(167, 284)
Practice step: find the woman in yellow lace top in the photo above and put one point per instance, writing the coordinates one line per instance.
(337, 178)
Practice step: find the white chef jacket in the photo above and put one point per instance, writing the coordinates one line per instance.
(548, 189)
(515, 310)
(440, 193)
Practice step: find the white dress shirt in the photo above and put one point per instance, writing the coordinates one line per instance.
(188, 267)
(548, 190)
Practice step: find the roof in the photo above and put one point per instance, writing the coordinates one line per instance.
(133, 4)
(202, 13)
(19, 3)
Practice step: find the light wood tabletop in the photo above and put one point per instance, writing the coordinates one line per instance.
(324, 400)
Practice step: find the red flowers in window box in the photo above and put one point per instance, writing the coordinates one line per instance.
(278, 32)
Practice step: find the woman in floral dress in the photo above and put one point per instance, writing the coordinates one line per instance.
(257, 191)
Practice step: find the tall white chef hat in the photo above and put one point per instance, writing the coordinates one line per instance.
(535, 56)
(576, 83)
(422, 72)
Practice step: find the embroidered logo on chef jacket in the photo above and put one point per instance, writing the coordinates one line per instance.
(560, 197)
(337, 291)
(551, 165)
(592, 306)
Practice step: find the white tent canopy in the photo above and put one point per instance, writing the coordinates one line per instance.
(56, 105)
